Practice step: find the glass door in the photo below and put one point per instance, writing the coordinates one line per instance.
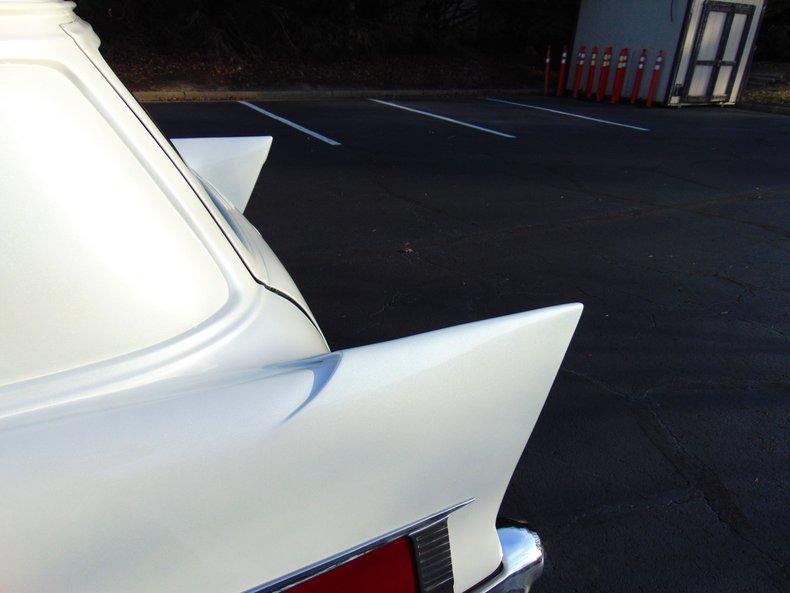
(718, 50)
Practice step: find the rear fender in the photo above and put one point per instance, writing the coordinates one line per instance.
(228, 482)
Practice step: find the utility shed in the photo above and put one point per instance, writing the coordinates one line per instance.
(707, 44)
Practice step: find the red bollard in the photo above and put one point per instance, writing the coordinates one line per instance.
(563, 66)
(619, 77)
(604, 77)
(591, 73)
(640, 70)
(651, 93)
(547, 71)
(577, 77)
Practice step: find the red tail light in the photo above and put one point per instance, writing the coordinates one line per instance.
(388, 569)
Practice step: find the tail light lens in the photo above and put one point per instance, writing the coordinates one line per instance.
(388, 569)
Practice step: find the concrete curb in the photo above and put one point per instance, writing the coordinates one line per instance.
(161, 96)
(765, 108)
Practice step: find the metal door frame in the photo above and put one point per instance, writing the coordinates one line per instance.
(731, 8)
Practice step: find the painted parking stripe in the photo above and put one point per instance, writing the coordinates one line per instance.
(443, 118)
(557, 111)
(294, 125)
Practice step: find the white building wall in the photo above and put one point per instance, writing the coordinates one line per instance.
(644, 24)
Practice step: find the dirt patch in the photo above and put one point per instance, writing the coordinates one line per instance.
(775, 95)
(762, 91)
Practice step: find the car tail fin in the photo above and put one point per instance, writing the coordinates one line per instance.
(440, 418)
(232, 165)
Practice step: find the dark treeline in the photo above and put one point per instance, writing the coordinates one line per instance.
(334, 28)
(341, 28)
(774, 42)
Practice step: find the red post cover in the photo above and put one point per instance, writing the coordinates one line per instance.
(563, 71)
(591, 73)
(640, 70)
(603, 79)
(619, 77)
(547, 71)
(577, 77)
(651, 93)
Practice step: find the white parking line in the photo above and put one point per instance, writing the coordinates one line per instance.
(443, 118)
(595, 119)
(290, 123)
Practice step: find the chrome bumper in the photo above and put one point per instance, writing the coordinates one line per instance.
(522, 561)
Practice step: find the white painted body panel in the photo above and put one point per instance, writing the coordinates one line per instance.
(58, 236)
(155, 189)
(231, 448)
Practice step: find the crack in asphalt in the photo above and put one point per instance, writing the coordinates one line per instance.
(694, 208)
(646, 208)
(699, 476)
(371, 167)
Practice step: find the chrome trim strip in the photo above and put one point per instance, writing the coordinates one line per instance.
(522, 561)
(328, 564)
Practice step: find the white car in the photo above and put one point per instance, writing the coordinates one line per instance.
(171, 418)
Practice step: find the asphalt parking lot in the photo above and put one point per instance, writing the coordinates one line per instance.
(662, 459)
